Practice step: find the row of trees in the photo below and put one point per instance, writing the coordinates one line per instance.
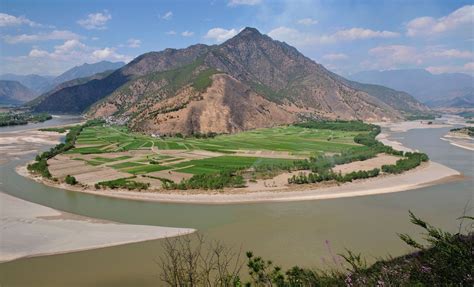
(40, 166)
(225, 178)
(410, 161)
(124, 183)
(13, 119)
(311, 177)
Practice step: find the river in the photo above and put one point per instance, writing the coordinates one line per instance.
(304, 233)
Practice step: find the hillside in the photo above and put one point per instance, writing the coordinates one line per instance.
(36, 83)
(466, 101)
(68, 84)
(14, 93)
(86, 70)
(249, 81)
(424, 86)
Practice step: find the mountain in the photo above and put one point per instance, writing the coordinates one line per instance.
(247, 82)
(42, 84)
(68, 84)
(36, 83)
(14, 93)
(86, 70)
(466, 101)
(424, 86)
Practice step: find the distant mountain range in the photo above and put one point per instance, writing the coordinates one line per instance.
(443, 90)
(38, 85)
(14, 93)
(247, 82)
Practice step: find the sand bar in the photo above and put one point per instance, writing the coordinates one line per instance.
(29, 229)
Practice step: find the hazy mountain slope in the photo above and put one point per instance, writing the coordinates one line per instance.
(35, 83)
(401, 101)
(86, 70)
(68, 84)
(14, 93)
(248, 81)
(423, 85)
(466, 101)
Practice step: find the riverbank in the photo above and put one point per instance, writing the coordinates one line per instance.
(461, 141)
(427, 174)
(30, 229)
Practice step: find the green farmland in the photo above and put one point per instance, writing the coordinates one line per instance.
(295, 140)
(261, 151)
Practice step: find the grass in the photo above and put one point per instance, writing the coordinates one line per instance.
(291, 139)
(146, 169)
(125, 165)
(216, 164)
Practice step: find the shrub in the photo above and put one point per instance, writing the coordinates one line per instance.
(70, 180)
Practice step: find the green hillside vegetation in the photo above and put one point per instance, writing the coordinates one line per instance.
(23, 118)
(465, 130)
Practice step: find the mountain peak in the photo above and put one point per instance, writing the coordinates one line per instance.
(249, 32)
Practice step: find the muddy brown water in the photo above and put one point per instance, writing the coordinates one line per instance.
(306, 233)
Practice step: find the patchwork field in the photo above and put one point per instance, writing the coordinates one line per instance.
(103, 153)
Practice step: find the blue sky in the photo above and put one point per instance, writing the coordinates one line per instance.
(51, 36)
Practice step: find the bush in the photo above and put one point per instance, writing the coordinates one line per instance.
(208, 181)
(70, 180)
(125, 183)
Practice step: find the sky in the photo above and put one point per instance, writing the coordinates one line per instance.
(48, 37)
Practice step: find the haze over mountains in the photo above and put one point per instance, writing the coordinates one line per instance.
(14, 93)
(37, 84)
(443, 90)
(249, 81)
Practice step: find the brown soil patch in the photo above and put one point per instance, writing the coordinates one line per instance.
(369, 164)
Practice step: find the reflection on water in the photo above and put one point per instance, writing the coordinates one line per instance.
(289, 233)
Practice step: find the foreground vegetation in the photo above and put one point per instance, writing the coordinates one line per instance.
(446, 261)
(466, 130)
(22, 118)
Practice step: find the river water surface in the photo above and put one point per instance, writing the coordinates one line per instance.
(304, 233)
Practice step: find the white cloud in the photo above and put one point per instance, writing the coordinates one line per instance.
(134, 43)
(29, 38)
(171, 32)
(298, 38)
(360, 33)
(233, 3)
(60, 58)
(394, 56)
(187, 34)
(10, 20)
(109, 54)
(390, 56)
(335, 57)
(307, 21)
(293, 36)
(452, 53)
(466, 68)
(168, 16)
(220, 34)
(429, 25)
(96, 21)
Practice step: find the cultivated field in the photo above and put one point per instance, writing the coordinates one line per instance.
(107, 153)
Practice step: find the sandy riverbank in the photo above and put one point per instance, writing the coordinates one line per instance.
(427, 174)
(462, 141)
(29, 229)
